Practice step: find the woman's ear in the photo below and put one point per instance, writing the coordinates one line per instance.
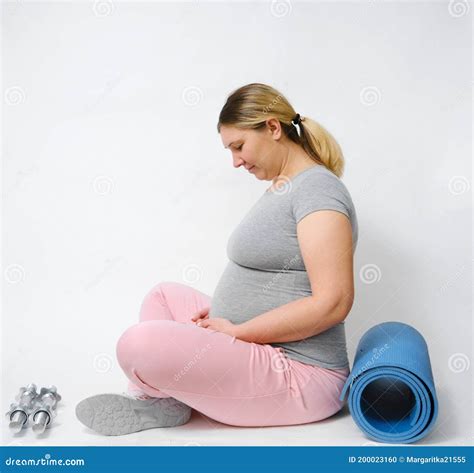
(274, 128)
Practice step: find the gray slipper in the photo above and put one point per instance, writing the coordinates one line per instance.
(120, 414)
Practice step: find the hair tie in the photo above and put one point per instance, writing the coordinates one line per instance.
(297, 120)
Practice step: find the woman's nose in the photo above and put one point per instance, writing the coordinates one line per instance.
(238, 162)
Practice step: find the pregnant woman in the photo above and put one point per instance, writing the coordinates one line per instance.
(269, 347)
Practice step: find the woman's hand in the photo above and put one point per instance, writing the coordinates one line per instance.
(202, 319)
(219, 324)
(201, 314)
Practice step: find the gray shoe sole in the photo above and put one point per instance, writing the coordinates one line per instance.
(116, 414)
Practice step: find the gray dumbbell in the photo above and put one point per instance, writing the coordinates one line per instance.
(20, 411)
(44, 409)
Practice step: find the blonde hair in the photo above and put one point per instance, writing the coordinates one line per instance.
(249, 106)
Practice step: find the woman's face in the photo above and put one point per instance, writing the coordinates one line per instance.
(259, 151)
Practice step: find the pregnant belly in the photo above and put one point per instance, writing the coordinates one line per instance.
(242, 293)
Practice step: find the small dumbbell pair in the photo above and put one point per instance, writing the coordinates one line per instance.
(39, 408)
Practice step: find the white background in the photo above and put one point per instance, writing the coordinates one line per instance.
(115, 179)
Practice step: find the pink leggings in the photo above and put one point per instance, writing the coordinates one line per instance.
(229, 380)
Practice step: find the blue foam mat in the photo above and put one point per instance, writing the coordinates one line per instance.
(391, 392)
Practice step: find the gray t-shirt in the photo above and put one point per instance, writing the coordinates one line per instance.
(266, 269)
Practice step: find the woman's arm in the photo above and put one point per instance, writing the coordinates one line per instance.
(325, 240)
(293, 321)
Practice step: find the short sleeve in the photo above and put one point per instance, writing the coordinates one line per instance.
(319, 191)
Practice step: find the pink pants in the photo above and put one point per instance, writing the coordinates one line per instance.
(229, 380)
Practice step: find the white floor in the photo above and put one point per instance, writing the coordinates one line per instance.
(339, 429)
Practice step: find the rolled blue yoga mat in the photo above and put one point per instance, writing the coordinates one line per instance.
(392, 396)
